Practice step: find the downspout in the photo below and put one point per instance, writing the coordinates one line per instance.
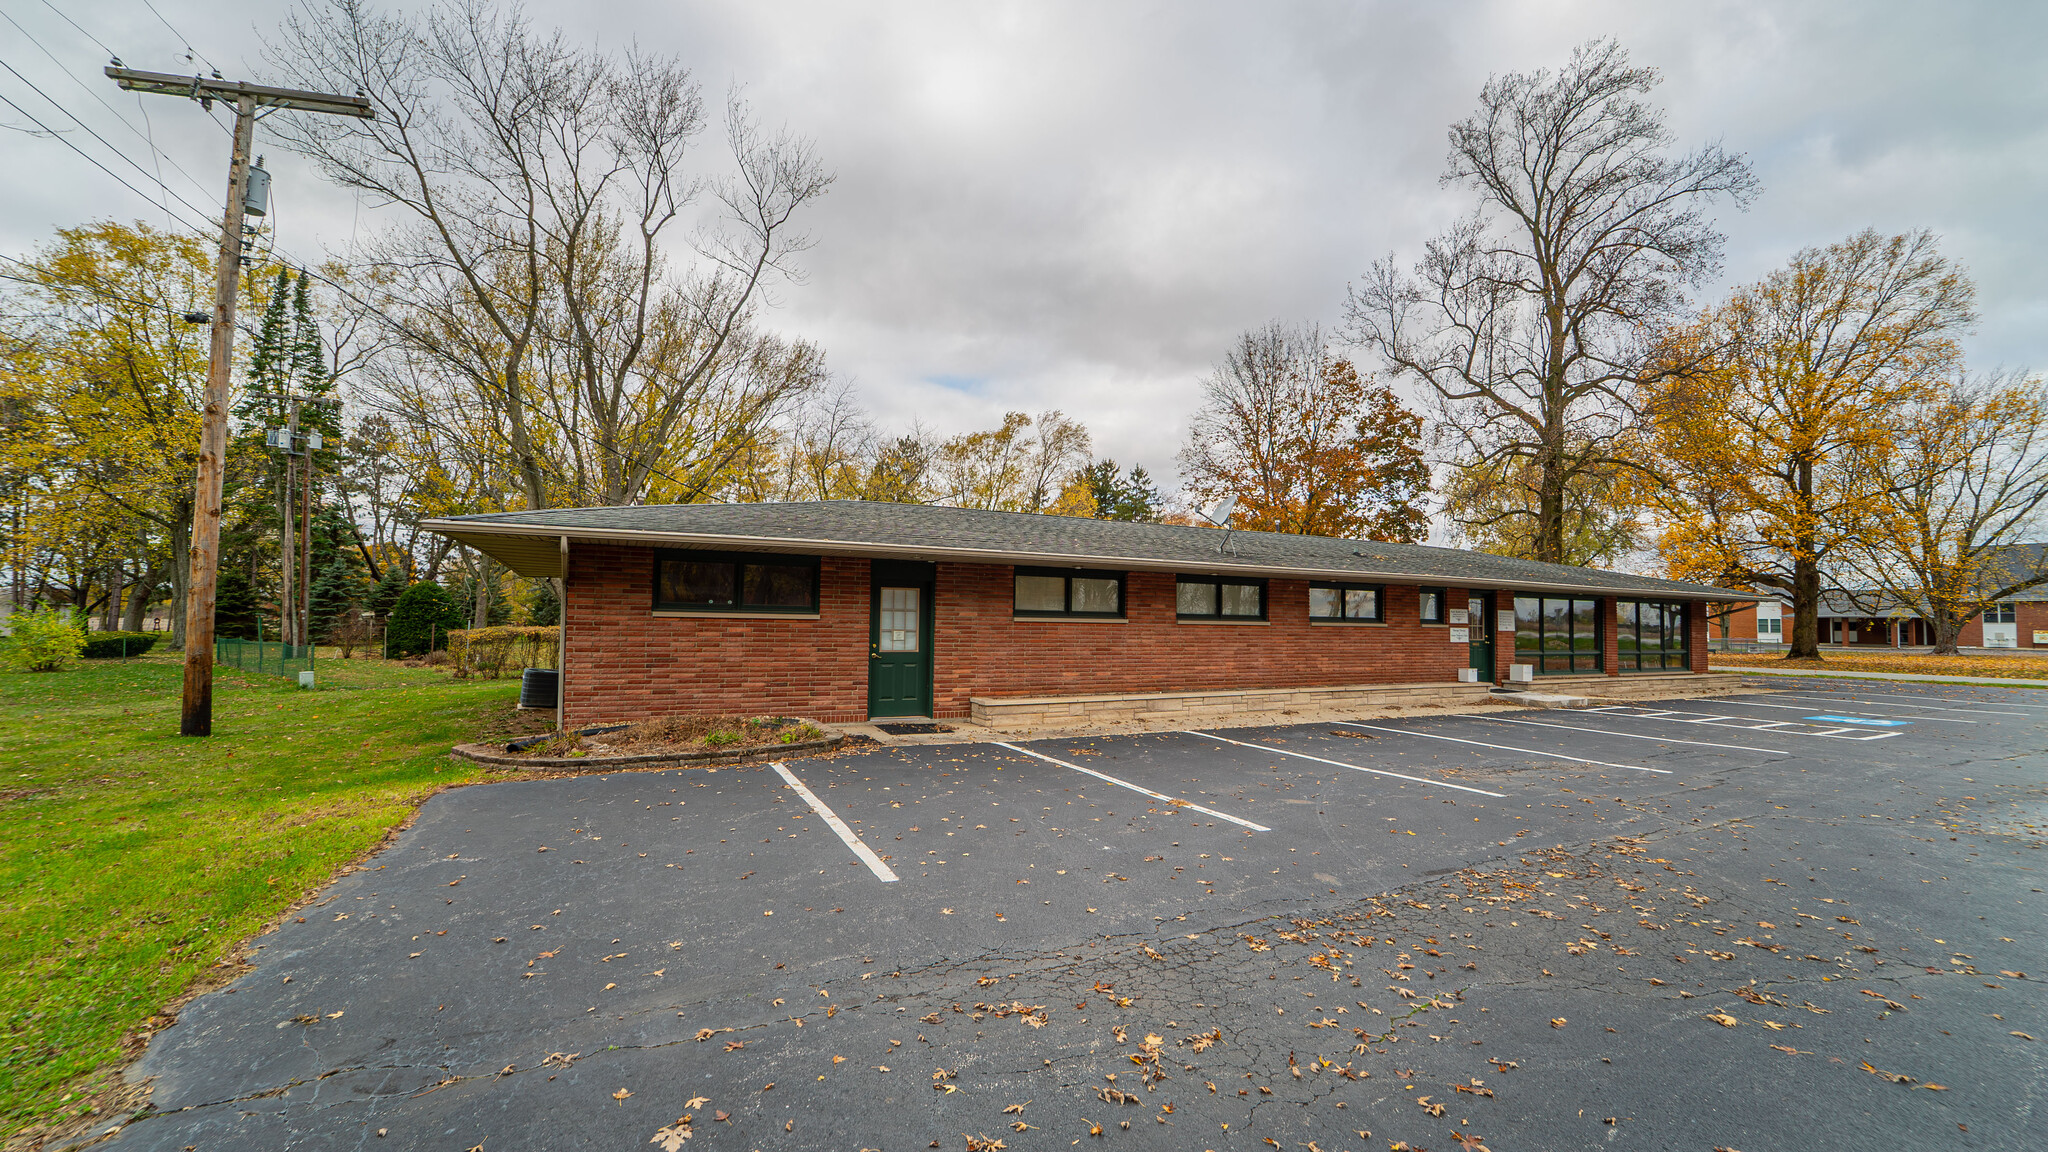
(562, 643)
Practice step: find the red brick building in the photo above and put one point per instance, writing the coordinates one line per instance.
(846, 610)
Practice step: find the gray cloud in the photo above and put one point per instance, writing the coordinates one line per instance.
(1076, 205)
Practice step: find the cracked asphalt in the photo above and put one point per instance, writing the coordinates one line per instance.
(1717, 924)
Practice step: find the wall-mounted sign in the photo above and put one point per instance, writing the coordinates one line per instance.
(1458, 616)
(1506, 618)
(2040, 637)
(1461, 635)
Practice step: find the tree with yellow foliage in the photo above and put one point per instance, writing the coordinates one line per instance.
(1965, 485)
(1778, 407)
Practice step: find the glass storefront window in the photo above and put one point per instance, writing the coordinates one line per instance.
(1557, 635)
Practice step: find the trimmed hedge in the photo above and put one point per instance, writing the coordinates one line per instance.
(105, 645)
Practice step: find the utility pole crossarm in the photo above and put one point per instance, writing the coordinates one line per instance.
(171, 84)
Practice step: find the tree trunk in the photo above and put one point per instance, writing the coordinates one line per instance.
(139, 595)
(480, 616)
(181, 567)
(1948, 627)
(110, 617)
(1805, 611)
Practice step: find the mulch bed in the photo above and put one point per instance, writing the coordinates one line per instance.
(667, 741)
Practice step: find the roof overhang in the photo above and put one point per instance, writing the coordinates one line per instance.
(537, 550)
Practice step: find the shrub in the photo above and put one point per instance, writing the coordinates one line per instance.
(44, 640)
(113, 645)
(422, 618)
(489, 650)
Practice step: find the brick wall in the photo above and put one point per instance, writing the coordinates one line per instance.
(625, 663)
(2033, 614)
(981, 651)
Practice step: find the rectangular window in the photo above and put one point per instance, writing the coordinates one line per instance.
(735, 582)
(1432, 605)
(1653, 637)
(1557, 635)
(2006, 613)
(1052, 593)
(1212, 598)
(1351, 603)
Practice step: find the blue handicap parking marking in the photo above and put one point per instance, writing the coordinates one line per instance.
(1862, 720)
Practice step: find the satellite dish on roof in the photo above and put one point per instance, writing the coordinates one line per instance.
(1219, 512)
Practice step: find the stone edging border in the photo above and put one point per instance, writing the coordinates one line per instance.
(493, 756)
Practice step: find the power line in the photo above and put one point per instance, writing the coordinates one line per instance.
(102, 139)
(94, 93)
(60, 138)
(189, 49)
(74, 24)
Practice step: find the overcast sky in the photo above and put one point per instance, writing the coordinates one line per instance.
(1077, 205)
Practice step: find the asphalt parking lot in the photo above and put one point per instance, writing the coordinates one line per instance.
(1809, 915)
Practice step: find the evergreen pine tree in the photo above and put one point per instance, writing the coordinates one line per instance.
(384, 596)
(544, 610)
(337, 591)
(234, 605)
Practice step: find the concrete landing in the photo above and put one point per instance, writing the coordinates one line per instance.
(1543, 700)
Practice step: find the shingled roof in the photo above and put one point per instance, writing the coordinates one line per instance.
(529, 544)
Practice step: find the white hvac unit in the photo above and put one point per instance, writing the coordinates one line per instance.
(1521, 673)
(1468, 675)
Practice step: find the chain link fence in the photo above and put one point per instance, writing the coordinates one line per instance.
(264, 656)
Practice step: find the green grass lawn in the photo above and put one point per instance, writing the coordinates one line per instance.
(133, 860)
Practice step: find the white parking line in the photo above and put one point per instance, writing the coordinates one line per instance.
(1504, 748)
(1626, 735)
(867, 855)
(1173, 800)
(1920, 707)
(1821, 699)
(1341, 764)
(1743, 723)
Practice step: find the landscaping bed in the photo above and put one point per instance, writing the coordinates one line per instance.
(664, 741)
(2004, 667)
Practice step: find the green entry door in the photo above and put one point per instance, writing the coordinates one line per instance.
(899, 647)
(1479, 611)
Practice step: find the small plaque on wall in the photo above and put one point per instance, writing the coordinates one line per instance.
(2040, 637)
(1505, 620)
(1458, 616)
(1461, 635)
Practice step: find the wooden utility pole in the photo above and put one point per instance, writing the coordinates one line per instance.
(197, 714)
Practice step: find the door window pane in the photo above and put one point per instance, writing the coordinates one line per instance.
(900, 620)
(1324, 603)
(776, 585)
(1195, 599)
(696, 585)
(1094, 595)
(1041, 594)
(1242, 600)
(1475, 608)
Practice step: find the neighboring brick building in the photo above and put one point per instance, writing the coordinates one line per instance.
(846, 610)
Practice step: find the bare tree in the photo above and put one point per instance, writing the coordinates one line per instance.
(1527, 318)
(534, 280)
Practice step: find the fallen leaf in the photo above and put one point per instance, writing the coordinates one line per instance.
(621, 1096)
(1557, 1022)
(2021, 1035)
(696, 1102)
(1894, 1077)
(673, 1137)
(1722, 1018)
